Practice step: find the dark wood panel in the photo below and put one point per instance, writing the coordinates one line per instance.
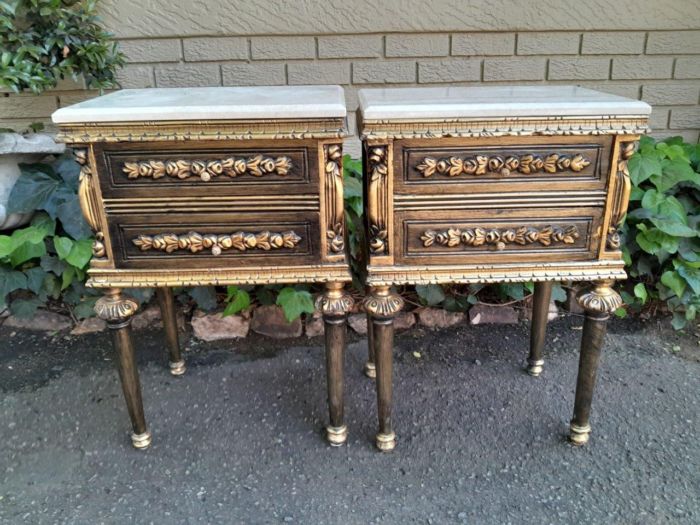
(206, 168)
(499, 164)
(216, 241)
(446, 237)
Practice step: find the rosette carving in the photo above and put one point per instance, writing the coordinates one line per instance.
(196, 242)
(600, 298)
(335, 214)
(257, 166)
(382, 302)
(378, 199)
(621, 195)
(505, 165)
(501, 237)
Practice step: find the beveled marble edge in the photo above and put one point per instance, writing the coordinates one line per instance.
(208, 104)
(494, 102)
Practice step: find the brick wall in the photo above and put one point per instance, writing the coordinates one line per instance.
(660, 67)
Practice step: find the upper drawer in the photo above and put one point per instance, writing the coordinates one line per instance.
(513, 163)
(200, 168)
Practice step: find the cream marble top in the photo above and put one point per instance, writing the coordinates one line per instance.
(208, 103)
(494, 102)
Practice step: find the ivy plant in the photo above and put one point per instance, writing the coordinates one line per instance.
(661, 232)
(43, 41)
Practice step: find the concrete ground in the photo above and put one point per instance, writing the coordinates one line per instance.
(238, 439)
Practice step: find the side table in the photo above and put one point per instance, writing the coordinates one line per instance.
(212, 186)
(496, 184)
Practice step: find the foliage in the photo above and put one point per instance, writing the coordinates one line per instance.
(42, 41)
(661, 244)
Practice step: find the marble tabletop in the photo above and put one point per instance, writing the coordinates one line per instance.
(494, 102)
(208, 103)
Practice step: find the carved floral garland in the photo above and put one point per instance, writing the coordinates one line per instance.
(501, 237)
(481, 164)
(196, 242)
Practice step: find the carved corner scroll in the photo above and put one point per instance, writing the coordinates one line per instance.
(87, 197)
(196, 242)
(334, 209)
(257, 166)
(500, 238)
(378, 199)
(621, 195)
(483, 164)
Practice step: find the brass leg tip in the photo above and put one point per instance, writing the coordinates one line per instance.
(386, 442)
(535, 367)
(177, 368)
(370, 370)
(337, 436)
(579, 435)
(141, 441)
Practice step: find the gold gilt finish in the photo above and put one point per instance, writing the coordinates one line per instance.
(335, 302)
(206, 170)
(196, 242)
(114, 307)
(87, 198)
(334, 206)
(460, 200)
(621, 195)
(378, 200)
(482, 164)
(500, 238)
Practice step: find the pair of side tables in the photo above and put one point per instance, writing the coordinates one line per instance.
(216, 186)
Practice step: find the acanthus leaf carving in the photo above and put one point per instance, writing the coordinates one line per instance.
(377, 196)
(334, 205)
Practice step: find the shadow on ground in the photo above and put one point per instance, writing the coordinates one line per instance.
(239, 439)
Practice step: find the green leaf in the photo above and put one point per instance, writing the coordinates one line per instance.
(238, 300)
(26, 252)
(204, 296)
(558, 293)
(674, 172)
(266, 295)
(33, 189)
(80, 253)
(641, 167)
(678, 321)
(690, 274)
(11, 280)
(431, 294)
(674, 281)
(294, 303)
(654, 241)
(63, 246)
(85, 308)
(620, 312)
(25, 308)
(640, 292)
(6, 246)
(35, 278)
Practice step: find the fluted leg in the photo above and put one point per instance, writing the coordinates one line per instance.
(538, 328)
(169, 316)
(382, 305)
(599, 302)
(335, 304)
(118, 310)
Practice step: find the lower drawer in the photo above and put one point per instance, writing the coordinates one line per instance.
(473, 237)
(220, 240)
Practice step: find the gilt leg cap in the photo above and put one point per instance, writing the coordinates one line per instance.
(370, 370)
(141, 441)
(579, 435)
(386, 442)
(535, 367)
(337, 436)
(177, 368)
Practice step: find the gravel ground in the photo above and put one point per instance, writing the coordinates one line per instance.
(239, 439)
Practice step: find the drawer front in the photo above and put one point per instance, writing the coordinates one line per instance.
(201, 168)
(214, 240)
(448, 237)
(498, 164)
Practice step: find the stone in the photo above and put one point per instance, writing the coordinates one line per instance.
(373, 72)
(16, 149)
(350, 46)
(514, 69)
(269, 320)
(254, 74)
(146, 317)
(404, 320)
(314, 325)
(579, 68)
(488, 314)
(552, 313)
(358, 322)
(214, 327)
(90, 325)
(438, 318)
(42, 320)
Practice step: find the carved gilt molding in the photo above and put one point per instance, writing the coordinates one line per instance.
(482, 164)
(621, 195)
(499, 238)
(600, 298)
(115, 307)
(87, 198)
(334, 206)
(335, 302)
(378, 199)
(196, 242)
(382, 303)
(257, 166)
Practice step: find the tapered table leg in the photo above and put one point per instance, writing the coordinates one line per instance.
(599, 302)
(370, 368)
(335, 304)
(382, 305)
(538, 328)
(118, 309)
(169, 316)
